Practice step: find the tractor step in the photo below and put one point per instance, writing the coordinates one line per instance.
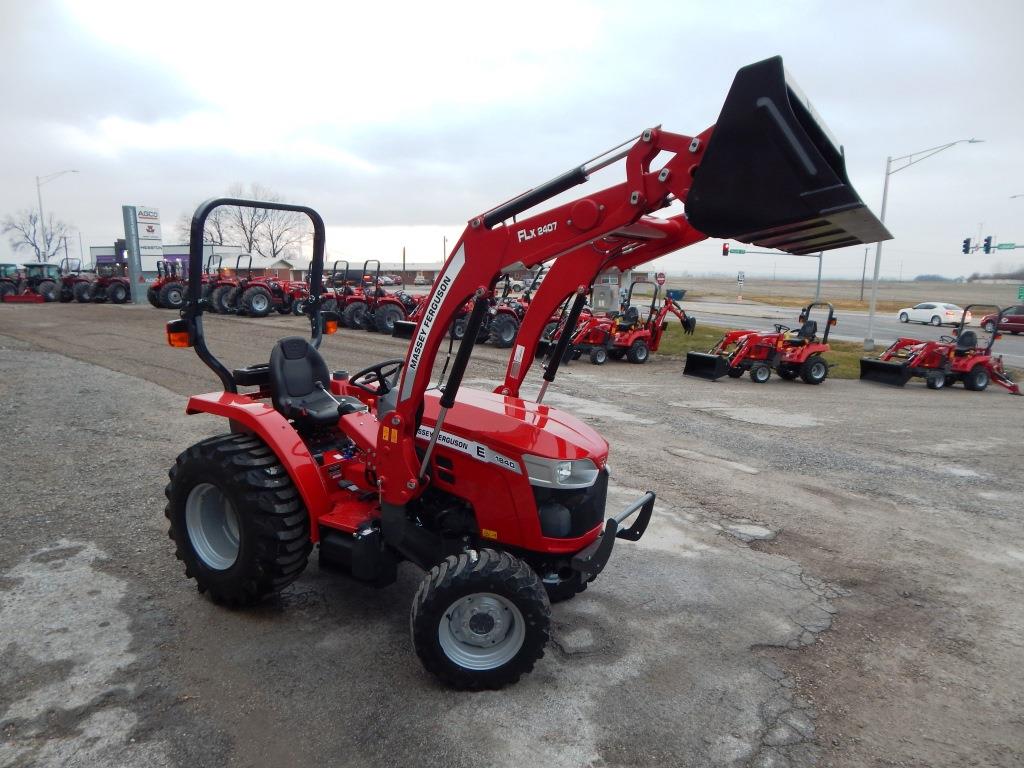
(705, 366)
(885, 372)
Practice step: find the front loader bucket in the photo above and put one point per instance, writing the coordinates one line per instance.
(705, 366)
(884, 372)
(773, 175)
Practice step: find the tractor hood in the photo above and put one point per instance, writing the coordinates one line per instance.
(513, 426)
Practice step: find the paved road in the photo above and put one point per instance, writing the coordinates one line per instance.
(832, 577)
(850, 326)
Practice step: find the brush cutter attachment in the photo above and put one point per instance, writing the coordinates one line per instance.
(705, 366)
(773, 175)
(885, 372)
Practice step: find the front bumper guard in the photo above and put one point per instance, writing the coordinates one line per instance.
(591, 560)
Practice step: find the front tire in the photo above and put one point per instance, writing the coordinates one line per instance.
(83, 292)
(904, 317)
(480, 620)
(171, 296)
(48, 290)
(759, 374)
(935, 380)
(988, 327)
(117, 293)
(236, 519)
(598, 355)
(218, 297)
(353, 315)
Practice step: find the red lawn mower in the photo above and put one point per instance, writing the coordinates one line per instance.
(625, 334)
(960, 357)
(790, 352)
(500, 500)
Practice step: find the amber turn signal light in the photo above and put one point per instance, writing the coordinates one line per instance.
(177, 334)
(330, 326)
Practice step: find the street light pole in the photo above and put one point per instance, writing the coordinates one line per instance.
(911, 159)
(863, 273)
(42, 221)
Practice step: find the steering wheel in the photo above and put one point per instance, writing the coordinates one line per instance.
(947, 339)
(383, 375)
(780, 328)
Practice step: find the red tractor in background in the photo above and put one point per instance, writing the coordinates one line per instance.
(260, 295)
(168, 290)
(942, 363)
(225, 289)
(501, 324)
(500, 500)
(624, 334)
(36, 283)
(375, 309)
(10, 277)
(111, 284)
(70, 278)
(790, 352)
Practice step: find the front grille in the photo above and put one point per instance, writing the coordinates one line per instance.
(585, 505)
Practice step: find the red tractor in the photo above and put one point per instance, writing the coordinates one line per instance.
(960, 357)
(501, 324)
(260, 295)
(625, 334)
(500, 500)
(790, 352)
(373, 308)
(226, 289)
(10, 277)
(168, 290)
(36, 284)
(111, 284)
(70, 279)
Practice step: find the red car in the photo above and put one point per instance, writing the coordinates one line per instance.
(1012, 322)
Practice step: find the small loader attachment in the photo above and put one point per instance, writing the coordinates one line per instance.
(885, 372)
(705, 366)
(772, 174)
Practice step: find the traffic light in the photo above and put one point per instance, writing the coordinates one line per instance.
(987, 247)
(725, 249)
(967, 245)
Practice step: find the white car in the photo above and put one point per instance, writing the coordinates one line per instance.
(933, 313)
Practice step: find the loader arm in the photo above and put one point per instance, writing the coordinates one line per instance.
(577, 271)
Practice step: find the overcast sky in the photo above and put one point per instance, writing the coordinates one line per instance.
(400, 122)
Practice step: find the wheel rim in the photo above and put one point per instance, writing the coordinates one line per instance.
(641, 352)
(903, 318)
(818, 371)
(212, 526)
(761, 374)
(481, 631)
(174, 297)
(508, 332)
(259, 302)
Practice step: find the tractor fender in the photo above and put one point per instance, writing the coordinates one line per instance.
(260, 419)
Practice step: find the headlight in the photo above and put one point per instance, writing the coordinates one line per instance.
(556, 473)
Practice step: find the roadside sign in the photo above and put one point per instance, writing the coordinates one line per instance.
(1020, 293)
(1006, 246)
(660, 278)
(737, 250)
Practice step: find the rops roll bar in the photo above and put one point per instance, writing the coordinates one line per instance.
(192, 313)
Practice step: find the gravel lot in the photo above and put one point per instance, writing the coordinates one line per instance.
(832, 577)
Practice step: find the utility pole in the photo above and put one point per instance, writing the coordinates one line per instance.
(863, 273)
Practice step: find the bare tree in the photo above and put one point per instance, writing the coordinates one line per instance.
(244, 224)
(25, 232)
(282, 231)
(215, 232)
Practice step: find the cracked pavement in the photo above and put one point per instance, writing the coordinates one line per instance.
(815, 587)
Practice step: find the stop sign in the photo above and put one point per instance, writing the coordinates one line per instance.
(660, 278)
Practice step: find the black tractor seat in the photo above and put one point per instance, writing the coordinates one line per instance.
(805, 335)
(629, 318)
(965, 342)
(298, 380)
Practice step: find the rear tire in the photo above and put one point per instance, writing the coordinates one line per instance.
(988, 327)
(386, 317)
(329, 304)
(504, 328)
(638, 352)
(256, 301)
(236, 519)
(172, 296)
(354, 313)
(151, 297)
(83, 292)
(976, 379)
(480, 620)
(48, 290)
(233, 298)
(814, 370)
(458, 328)
(598, 355)
(936, 321)
(6, 289)
(67, 294)
(118, 293)
(759, 374)
(218, 296)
